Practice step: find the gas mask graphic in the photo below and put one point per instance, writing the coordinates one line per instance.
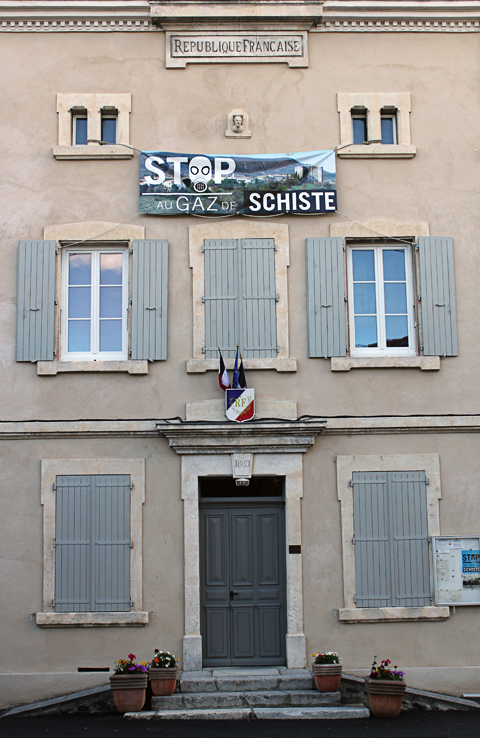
(200, 172)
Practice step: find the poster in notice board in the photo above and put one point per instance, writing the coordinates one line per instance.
(456, 570)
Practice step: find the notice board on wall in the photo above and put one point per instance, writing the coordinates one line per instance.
(456, 570)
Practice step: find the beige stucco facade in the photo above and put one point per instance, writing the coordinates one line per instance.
(365, 414)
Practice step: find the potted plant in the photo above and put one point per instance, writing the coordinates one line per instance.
(327, 671)
(163, 672)
(385, 688)
(129, 684)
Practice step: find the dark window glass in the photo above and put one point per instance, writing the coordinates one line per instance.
(226, 487)
(109, 130)
(80, 131)
(387, 131)
(359, 130)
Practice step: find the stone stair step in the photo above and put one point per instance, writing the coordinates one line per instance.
(311, 713)
(259, 713)
(219, 700)
(237, 680)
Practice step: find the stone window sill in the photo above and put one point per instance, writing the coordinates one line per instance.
(377, 151)
(91, 619)
(50, 368)
(392, 614)
(200, 366)
(93, 151)
(345, 363)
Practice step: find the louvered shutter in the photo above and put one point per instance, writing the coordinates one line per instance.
(325, 297)
(111, 498)
(222, 305)
(408, 499)
(373, 571)
(258, 336)
(391, 539)
(149, 290)
(437, 288)
(35, 300)
(73, 544)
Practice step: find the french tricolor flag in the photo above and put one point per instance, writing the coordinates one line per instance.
(223, 379)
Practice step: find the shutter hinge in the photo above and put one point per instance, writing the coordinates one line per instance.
(204, 349)
(427, 481)
(417, 248)
(55, 302)
(53, 602)
(277, 349)
(350, 484)
(54, 487)
(277, 297)
(421, 348)
(203, 298)
(353, 541)
(274, 246)
(54, 352)
(355, 599)
(54, 543)
(344, 247)
(202, 249)
(345, 298)
(131, 485)
(130, 302)
(56, 251)
(131, 543)
(131, 602)
(129, 352)
(346, 349)
(131, 251)
(419, 298)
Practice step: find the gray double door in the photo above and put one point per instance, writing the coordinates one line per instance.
(243, 602)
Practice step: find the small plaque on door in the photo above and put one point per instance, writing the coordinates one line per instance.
(242, 465)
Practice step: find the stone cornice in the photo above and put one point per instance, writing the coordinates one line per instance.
(430, 16)
(287, 436)
(175, 428)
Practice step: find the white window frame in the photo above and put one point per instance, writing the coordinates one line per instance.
(95, 354)
(346, 465)
(109, 115)
(381, 349)
(50, 469)
(77, 116)
(387, 115)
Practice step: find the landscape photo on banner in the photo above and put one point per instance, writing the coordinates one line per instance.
(268, 184)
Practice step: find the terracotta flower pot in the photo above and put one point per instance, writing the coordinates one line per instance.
(384, 696)
(163, 681)
(129, 691)
(327, 676)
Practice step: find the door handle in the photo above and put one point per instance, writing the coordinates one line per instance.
(233, 593)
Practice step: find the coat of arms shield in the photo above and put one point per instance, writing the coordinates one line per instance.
(240, 404)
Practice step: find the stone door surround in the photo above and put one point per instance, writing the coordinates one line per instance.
(206, 449)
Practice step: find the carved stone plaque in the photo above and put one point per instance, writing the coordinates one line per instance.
(236, 47)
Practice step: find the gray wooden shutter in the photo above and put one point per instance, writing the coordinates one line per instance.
(325, 297)
(222, 289)
(373, 572)
(391, 539)
(73, 544)
(35, 300)
(437, 288)
(149, 292)
(258, 302)
(408, 500)
(111, 497)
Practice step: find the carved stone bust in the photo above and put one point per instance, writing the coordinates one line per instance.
(238, 124)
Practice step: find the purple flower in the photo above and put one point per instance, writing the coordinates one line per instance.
(131, 668)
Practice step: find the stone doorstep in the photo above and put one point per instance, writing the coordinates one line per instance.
(256, 713)
(245, 680)
(223, 700)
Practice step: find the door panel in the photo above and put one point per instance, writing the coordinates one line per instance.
(242, 571)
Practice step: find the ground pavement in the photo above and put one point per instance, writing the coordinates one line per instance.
(412, 724)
